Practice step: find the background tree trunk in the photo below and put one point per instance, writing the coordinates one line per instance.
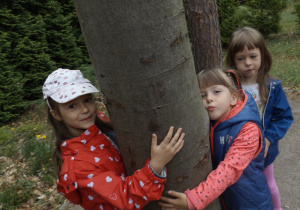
(141, 54)
(202, 18)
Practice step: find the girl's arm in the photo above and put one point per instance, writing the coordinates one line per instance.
(246, 146)
(281, 117)
(106, 187)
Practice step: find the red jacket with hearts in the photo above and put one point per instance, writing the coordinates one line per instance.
(93, 175)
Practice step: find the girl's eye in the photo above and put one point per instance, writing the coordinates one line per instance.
(239, 58)
(72, 106)
(88, 99)
(217, 91)
(203, 95)
(253, 56)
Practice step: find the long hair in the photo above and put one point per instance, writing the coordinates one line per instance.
(229, 79)
(62, 133)
(251, 38)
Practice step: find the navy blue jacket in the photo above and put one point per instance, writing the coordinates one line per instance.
(277, 118)
(251, 190)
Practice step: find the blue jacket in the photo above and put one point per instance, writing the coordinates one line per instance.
(277, 118)
(251, 190)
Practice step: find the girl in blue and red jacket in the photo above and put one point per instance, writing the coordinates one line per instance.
(248, 54)
(87, 159)
(237, 149)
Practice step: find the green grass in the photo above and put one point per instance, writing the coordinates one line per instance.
(285, 49)
(12, 195)
(286, 60)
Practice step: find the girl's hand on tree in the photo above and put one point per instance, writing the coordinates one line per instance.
(168, 148)
(177, 203)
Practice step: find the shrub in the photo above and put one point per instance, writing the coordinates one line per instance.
(36, 37)
(260, 14)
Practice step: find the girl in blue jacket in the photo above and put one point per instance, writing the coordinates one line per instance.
(248, 54)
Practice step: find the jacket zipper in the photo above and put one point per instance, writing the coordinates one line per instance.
(263, 115)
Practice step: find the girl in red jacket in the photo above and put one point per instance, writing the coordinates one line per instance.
(87, 159)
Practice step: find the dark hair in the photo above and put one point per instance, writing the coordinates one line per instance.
(62, 133)
(251, 38)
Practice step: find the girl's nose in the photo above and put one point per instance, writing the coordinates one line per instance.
(84, 108)
(248, 61)
(209, 98)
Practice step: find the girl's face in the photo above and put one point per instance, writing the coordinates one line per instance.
(248, 63)
(78, 115)
(218, 101)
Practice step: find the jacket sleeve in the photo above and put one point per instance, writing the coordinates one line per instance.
(73, 195)
(281, 116)
(103, 117)
(245, 147)
(132, 192)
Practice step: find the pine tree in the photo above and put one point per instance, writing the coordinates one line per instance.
(36, 37)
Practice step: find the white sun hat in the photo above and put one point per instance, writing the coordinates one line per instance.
(64, 85)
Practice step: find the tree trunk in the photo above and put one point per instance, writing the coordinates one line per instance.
(202, 18)
(141, 54)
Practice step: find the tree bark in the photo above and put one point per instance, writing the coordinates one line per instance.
(202, 19)
(141, 54)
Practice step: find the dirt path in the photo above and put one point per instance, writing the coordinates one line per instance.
(287, 165)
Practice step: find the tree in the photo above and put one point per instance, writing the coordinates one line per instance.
(144, 64)
(202, 18)
(36, 37)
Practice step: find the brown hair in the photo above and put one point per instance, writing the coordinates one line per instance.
(208, 78)
(62, 133)
(251, 38)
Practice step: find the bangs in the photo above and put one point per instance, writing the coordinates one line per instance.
(243, 41)
(246, 37)
(208, 78)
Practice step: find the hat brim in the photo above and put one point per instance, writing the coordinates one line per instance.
(69, 93)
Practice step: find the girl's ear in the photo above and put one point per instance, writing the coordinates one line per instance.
(234, 99)
(55, 115)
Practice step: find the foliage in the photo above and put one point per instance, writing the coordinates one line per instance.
(260, 14)
(36, 37)
(39, 36)
(227, 21)
(266, 15)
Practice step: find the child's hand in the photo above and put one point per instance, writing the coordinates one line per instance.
(267, 147)
(178, 203)
(168, 148)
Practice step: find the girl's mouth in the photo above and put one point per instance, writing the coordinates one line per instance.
(210, 108)
(87, 119)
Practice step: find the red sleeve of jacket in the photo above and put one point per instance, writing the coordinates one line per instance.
(229, 170)
(132, 192)
(73, 196)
